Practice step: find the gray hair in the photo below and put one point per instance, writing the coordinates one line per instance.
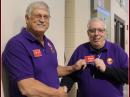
(36, 4)
(96, 19)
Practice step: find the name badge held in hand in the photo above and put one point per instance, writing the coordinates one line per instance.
(89, 59)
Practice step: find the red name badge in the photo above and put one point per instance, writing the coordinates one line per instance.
(89, 59)
(37, 53)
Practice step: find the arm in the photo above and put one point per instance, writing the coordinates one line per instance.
(69, 80)
(19, 65)
(65, 70)
(34, 88)
(119, 75)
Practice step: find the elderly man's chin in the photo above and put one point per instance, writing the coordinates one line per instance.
(97, 44)
(40, 30)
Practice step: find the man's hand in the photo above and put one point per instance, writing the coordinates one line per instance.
(79, 64)
(62, 92)
(65, 70)
(100, 64)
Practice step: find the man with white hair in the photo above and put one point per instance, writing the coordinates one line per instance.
(31, 59)
(107, 65)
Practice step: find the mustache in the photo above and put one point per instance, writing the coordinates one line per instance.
(40, 24)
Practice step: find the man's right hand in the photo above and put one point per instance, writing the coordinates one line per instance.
(62, 92)
(80, 64)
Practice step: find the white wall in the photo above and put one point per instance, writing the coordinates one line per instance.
(13, 13)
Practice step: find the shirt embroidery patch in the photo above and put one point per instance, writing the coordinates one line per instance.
(37, 53)
(51, 47)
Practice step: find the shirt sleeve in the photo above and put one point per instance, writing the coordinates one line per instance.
(17, 61)
(117, 75)
(67, 81)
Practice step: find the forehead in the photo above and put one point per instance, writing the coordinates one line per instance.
(42, 10)
(96, 24)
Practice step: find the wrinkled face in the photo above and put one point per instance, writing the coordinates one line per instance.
(96, 34)
(38, 22)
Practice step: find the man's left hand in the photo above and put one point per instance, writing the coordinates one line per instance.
(100, 64)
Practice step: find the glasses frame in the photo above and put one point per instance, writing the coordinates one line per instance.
(39, 16)
(93, 30)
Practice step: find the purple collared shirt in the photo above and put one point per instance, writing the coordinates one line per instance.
(88, 84)
(24, 57)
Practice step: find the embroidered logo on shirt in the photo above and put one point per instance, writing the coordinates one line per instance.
(37, 53)
(109, 61)
(90, 58)
(51, 47)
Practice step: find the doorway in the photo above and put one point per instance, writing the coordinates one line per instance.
(119, 31)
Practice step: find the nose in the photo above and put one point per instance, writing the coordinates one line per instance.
(96, 32)
(42, 19)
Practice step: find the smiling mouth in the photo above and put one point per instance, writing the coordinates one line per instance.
(96, 39)
(41, 25)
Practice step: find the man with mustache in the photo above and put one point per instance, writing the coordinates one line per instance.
(31, 59)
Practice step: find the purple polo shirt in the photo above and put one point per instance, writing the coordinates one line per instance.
(88, 84)
(24, 57)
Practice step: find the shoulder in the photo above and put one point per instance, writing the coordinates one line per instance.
(83, 46)
(13, 41)
(14, 44)
(114, 47)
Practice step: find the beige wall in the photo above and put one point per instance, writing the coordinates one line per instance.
(13, 19)
(76, 18)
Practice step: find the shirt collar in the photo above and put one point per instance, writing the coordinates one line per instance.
(30, 36)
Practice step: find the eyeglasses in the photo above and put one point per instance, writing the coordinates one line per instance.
(39, 16)
(96, 29)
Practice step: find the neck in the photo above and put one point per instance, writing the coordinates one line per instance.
(42, 42)
(40, 38)
(38, 35)
(98, 46)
